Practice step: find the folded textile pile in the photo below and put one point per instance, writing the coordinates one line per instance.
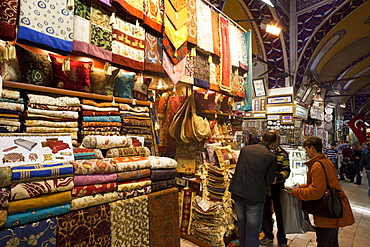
(208, 223)
(100, 118)
(163, 173)
(46, 114)
(38, 192)
(11, 108)
(216, 185)
(136, 121)
(87, 153)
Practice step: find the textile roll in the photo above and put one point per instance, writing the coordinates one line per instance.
(35, 188)
(131, 163)
(41, 171)
(187, 195)
(39, 123)
(60, 114)
(4, 197)
(101, 119)
(86, 227)
(3, 216)
(55, 101)
(93, 200)
(162, 185)
(55, 108)
(81, 180)
(85, 190)
(106, 142)
(100, 105)
(94, 166)
(36, 214)
(40, 201)
(133, 185)
(133, 175)
(164, 174)
(100, 124)
(128, 152)
(130, 222)
(82, 153)
(100, 113)
(133, 193)
(5, 176)
(25, 235)
(162, 162)
(163, 207)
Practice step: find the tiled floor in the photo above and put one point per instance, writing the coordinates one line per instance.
(356, 235)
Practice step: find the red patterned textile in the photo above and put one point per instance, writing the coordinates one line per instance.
(79, 191)
(8, 19)
(78, 78)
(175, 55)
(225, 59)
(85, 227)
(128, 6)
(163, 207)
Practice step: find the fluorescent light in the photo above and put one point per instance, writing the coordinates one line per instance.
(268, 2)
(343, 105)
(273, 29)
(367, 124)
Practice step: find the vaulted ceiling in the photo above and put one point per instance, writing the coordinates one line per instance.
(322, 41)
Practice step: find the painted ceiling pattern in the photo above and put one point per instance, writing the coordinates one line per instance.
(302, 4)
(359, 100)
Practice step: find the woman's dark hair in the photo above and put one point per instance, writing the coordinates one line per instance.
(313, 141)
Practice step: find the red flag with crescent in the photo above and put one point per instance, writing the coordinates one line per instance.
(357, 125)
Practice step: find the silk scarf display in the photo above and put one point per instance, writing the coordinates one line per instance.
(93, 200)
(25, 235)
(204, 27)
(86, 227)
(40, 201)
(153, 14)
(130, 222)
(56, 38)
(35, 188)
(94, 35)
(36, 214)
(41, 171)
(174, 71)
(94, 166)
(225, 58)
(8, 20)
(163, 206)
(128, 44)
(81, 180)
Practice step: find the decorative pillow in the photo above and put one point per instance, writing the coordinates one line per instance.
(35, 68)
(140, 89)
(101, 83)
(9, 66)
(205, 100)
(123, 84)
(77, 78)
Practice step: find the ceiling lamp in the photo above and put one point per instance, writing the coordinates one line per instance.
(273, 29)
(268, 2)
(343, 105)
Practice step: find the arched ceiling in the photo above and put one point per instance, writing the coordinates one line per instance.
(324, 41)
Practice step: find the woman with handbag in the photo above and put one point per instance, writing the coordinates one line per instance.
(321, 182)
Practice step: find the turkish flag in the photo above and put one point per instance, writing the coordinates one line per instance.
(358, 127)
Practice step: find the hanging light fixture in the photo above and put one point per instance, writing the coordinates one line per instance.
(273, 29)
(268, 2)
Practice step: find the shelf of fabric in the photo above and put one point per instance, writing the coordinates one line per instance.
(31, 87)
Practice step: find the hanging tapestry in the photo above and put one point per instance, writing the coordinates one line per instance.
(177, 37)
(216, 32)
(8, 19)
(204, 27)
(177, 18)
(128, 44)
(86, 227)
(243, 63)
(153, 14)
(201, 70)
(93, 35)
(174, 71)
(175, 55)
(164, 225)
(192, 21)
(153, 53)
(248, 79)
(36, 26)
(132, 7)
(235, 44)
(225, 57)
(25, 235)
(130, 222)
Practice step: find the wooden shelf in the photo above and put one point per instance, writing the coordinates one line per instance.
(31, 87)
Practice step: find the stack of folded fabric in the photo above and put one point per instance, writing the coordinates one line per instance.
(216, 185)
(5, 181)
(87, 153)
(100, 118)
(46, 114)
(128, 152)
(11, 108)
(95, 183)
(38, 192)
(208, 222)
(136, 121)
(133, 176)
(163, 172)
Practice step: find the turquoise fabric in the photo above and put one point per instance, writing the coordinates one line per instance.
(123, 84)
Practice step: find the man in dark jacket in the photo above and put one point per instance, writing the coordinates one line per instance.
(365, 163)
(255, 171)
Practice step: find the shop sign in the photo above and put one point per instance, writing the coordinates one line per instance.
(248, 114)
(259, 115)
(279, 109)
(284, 99)
(273, 117)
(286, 119)
(301, 111)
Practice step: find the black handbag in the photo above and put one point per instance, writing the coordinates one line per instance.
(330, 205)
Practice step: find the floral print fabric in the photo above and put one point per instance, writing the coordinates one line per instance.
(94, 166)
(133, 185)
(133, 175)
(85, 190)
(131, 163)
(128, 152)
(93, 200)
(53, 101)
(106, 142)
(130, 222)
(162, 162)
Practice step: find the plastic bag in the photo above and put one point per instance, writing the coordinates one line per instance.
(293, 216)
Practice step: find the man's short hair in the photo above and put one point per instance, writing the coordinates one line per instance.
(270, 137)
(333, 144)
(313, 141)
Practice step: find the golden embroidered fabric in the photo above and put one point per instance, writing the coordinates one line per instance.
(178, 19)
(177, 37)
